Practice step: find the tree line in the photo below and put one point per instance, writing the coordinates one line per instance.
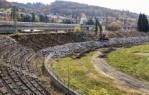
(31, 18)
(143, 24)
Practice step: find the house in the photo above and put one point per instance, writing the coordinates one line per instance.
(129, 24)
(3, 16)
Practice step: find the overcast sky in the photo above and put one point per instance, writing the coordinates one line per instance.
(138, 6)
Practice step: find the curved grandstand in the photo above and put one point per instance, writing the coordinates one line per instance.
(21, 65)
(17, 75)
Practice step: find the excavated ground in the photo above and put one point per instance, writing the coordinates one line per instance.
(41, 41)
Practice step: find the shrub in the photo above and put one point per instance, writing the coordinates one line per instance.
(77, 29)
(17, 34)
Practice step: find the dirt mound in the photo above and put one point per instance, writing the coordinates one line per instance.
(125, 34)
(41, 41)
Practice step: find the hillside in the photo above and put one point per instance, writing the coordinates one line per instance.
(30, 7)
(72, 8)
(68, 8)
(5, 4)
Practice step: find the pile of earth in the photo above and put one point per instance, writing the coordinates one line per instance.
(41, 41)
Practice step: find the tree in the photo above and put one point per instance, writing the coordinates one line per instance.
(46, 19)
(27, 18)
(22, 17)
(43, 18)
(82, 15)
(115, 26)
(33, 17)
(18, 16)
(142, 23)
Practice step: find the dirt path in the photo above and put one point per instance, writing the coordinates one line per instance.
(142, 54)
(104, 68)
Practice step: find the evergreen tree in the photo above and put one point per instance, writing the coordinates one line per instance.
(143, 23)
(41, 18)
(140, 23)
(27, 18)
(33, 17)
(46, 19)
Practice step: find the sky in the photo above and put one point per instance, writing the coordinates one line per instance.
(137, 6)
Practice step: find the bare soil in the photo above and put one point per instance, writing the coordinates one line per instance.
(41, 41)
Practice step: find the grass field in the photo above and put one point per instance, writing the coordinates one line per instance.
(133, 61)
(82, 76)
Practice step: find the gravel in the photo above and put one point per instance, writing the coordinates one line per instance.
(67, 49)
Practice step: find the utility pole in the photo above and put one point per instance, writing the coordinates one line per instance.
(14, 18)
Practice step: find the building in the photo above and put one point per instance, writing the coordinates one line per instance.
(129, 24)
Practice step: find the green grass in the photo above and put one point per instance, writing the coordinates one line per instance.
(83, 76)
(125, 60)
